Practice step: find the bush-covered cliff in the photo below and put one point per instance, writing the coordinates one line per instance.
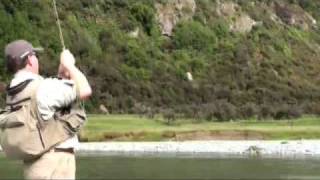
(246, 57)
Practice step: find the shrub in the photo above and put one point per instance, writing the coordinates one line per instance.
(288, 112)
(209, 112)
(143, 110)
(223, 93)
(193, 35)
(295, 112)
(266, 111)
(136, 56)
(144, 14)
(169, 116)
(221, 29)
(225, 111)
(191, 111)
(311, 108)
(248, 110)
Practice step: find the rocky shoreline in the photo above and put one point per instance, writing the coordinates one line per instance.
(248, 147)
(254, 147)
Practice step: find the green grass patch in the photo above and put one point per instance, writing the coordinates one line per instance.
(136, 128)
(10, 169)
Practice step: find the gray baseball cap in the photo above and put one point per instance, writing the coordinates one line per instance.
(19, 49)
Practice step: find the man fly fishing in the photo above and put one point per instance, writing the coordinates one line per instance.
(52, 95)
(43, 115)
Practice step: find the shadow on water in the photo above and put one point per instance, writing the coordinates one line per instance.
(182, 166)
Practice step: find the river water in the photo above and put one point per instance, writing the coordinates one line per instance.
(183, 167)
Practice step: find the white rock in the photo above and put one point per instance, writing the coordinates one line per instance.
(189, 76)
(135, 33)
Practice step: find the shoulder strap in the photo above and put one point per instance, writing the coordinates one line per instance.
(17, 95)
(23, 94)
(11, 91)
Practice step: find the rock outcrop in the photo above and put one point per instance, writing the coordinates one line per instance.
(226, 8)
(243, 23)
(171, 12)
(239, 21)
(294, 15)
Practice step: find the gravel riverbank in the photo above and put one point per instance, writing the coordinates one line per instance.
(282, 148)
(278, 148)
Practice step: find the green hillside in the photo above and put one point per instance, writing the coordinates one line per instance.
(247, 58)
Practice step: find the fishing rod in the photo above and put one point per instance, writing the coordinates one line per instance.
(61, 35)
(58, 24)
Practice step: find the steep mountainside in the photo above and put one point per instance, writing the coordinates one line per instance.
(213, 59)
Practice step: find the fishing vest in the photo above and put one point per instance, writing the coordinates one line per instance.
(24, 134)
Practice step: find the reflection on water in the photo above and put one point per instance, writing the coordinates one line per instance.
(183, 166)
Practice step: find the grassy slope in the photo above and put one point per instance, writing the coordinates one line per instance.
(273, 64)
(134, 128)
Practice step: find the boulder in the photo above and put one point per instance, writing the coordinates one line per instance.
(239, 21)
(243, 24)
(135, 33)
(103, 109)
(171, 12)
(294, 15)
(226, 8)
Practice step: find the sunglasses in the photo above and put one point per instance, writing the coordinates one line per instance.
(32, 53)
